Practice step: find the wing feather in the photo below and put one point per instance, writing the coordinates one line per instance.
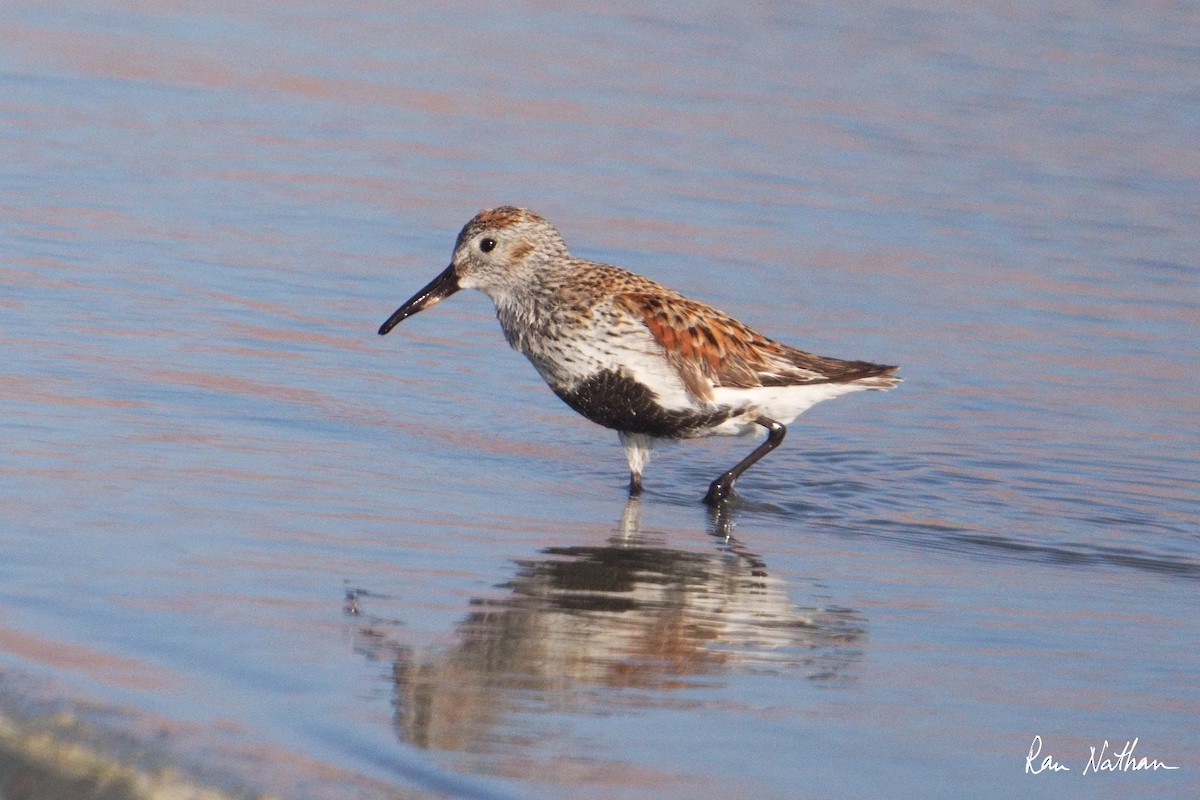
(709, 348)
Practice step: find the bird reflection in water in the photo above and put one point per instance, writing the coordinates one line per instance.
(589, 629)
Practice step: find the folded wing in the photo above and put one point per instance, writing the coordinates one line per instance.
(709, 348)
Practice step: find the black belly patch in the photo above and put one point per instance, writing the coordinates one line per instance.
(621, 403)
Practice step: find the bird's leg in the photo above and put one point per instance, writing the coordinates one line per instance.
(637, 451)
(722, 486)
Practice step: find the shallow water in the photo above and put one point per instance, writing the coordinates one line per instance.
(321, 559)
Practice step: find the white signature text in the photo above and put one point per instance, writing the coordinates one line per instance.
(1106, 759)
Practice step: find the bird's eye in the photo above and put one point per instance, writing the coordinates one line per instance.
(487, 245)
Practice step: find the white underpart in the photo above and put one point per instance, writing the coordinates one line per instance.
(634, 353)
(780, 403)
(641, 358)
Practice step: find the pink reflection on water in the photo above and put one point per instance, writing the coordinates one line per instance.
(96, 664)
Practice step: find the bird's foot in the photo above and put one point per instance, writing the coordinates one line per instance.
(720, 490)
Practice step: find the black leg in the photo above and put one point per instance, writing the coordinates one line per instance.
(635, 484)
(722, 486)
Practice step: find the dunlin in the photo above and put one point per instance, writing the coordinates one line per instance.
(630, 354)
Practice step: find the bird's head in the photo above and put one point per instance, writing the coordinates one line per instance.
(497, 252)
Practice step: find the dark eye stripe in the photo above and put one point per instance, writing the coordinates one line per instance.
(487, 245)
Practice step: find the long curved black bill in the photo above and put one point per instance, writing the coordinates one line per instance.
(437, 290)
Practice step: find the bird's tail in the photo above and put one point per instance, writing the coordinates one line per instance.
(883, 379)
